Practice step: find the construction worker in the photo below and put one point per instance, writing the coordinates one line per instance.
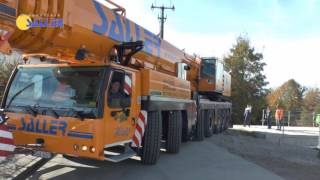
(279, 117)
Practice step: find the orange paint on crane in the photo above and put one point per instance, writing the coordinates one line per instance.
(84, 65)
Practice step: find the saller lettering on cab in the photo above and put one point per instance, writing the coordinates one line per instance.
(43, 126)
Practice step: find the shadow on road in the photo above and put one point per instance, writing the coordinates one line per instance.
(196, 160)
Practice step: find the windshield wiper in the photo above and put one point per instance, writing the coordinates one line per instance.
(27, 108)
(30, 109)
(23, 89)
(76, 113)
(53, 112)
(70, 112)
(89, 114)
(82, 114)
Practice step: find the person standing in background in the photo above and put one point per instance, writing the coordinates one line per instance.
(279, 117)
(267, 116)
(247, 116)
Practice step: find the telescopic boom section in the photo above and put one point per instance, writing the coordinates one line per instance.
(90, 30)
(89, 24)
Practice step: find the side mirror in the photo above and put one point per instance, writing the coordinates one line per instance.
(187, 67)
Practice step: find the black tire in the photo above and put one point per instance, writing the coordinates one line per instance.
(223, 120)
(174, 132)
(225, 124)
(208, 123)
(185, 136)
(219, 123)
(229, 123)
(200, 126)
(152, 139)
(215, 121)
(219, 127)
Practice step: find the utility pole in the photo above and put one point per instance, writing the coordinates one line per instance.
(162, 18)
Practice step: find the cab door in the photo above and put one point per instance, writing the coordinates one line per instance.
(118, 109)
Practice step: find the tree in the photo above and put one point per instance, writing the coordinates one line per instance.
(7, 65)
(311, 99)
(248, 82)
(289, 95)
(311, 105)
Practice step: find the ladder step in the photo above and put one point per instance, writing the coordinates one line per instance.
(117, 158)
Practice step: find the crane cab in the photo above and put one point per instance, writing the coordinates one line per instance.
(88, 107)
(211, 76)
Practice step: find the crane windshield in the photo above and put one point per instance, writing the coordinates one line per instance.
(208, 68)
(68, 89)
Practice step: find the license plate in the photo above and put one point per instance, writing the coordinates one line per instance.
(42, 154)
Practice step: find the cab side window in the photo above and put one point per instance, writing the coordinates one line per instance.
(118, 94)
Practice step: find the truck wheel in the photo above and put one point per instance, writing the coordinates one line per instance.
(208, 123)
(174, 132)
(219, 127)
(215, 129)
(200, 126)
(152, 139)
(185, 136)
(225, 122)
(219, 122)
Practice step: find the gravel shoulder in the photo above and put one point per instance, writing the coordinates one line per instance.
(286, 157)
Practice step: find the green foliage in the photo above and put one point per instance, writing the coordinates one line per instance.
(317, 109)
(248, 82)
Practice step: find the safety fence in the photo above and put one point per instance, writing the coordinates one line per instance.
(293, 118)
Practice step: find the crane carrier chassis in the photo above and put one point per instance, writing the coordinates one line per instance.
(100, 86)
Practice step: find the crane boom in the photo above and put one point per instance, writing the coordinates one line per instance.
(98, 28)
(99, 31)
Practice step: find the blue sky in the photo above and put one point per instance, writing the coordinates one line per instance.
(287, 32)
(281, 18)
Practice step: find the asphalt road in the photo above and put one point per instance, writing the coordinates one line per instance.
(196, 160)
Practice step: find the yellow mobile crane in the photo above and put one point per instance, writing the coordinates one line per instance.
(95, 83)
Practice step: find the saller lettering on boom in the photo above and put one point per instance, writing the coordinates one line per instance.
(95, 84)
